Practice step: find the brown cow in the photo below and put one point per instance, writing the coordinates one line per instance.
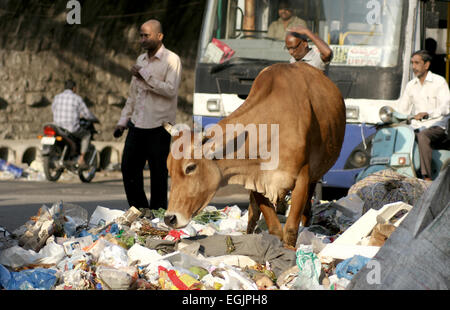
(310, 112)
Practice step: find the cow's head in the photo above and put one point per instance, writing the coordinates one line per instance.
(194, 179)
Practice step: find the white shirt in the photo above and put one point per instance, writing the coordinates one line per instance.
(153, 102)
(432, 97)
(314, 59)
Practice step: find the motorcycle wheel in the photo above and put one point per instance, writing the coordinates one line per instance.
(86, 176)
(52, 173)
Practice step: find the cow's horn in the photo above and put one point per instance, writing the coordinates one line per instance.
(170, 129)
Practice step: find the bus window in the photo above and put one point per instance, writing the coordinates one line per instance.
(360, 32)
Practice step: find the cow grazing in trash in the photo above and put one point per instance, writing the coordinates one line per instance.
(310, 114)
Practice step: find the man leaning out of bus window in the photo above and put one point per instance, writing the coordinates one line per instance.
(297, 45)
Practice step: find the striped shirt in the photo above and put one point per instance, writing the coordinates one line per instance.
(68, 108)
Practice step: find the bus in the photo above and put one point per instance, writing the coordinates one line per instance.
(372, 41)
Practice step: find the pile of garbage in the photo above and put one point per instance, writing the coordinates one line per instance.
(62, 248)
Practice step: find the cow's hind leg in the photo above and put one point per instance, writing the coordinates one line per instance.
(270, 215)
(299, 203)
(306, 216)
(254, 213)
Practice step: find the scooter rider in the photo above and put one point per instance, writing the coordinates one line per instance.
(427, 97)
(68, 108)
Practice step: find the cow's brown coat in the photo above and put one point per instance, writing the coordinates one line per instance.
(310, 112)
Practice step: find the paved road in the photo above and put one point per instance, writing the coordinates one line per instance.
(21, 199)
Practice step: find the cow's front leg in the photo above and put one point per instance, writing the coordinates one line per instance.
(298, 203)
(254, 212)
(270, 215)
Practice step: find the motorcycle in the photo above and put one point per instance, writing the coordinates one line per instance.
(61, 150)
(394, 146)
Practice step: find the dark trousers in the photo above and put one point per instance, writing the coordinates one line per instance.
(425, 139)
(143, 146)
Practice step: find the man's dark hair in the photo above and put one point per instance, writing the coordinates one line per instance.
(431, 45)
(69, 84)
(426, 57)
(285, 4)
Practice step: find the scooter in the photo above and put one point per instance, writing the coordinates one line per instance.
(394, 146)
(61, 150)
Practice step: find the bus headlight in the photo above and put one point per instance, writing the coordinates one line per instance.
(352, 112)
(386, 114)
(213, 105)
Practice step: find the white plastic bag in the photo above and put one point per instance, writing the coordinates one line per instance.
(115, 279)
(16, 257)
(143, 255)
(51, 254)
(114, 256)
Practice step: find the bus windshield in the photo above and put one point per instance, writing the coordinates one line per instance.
(360, 32)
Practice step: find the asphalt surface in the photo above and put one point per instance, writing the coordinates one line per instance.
(21, 199)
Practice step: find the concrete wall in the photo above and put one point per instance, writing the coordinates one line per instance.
(24, 152)
(39, 51)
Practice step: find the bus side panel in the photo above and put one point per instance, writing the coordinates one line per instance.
(337, 176)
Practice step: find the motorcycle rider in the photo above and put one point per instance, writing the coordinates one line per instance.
(68, 108)
(427, 97)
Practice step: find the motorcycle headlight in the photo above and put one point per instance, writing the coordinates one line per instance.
(386, 114)
(359, 159)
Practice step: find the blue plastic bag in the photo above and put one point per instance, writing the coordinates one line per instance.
(351, 266)
(34, 279)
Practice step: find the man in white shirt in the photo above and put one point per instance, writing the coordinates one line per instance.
(427, 97)
(152, 100)
(297, 46)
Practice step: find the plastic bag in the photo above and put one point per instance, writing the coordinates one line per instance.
(16, 257)
(114, 278)
(142, 255)
(114, 256)
(70, 227)
(51, 254)
(309, 269)
(349, 267)
(78, 214)
(38, 279)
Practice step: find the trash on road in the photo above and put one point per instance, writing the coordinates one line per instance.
(61, 248)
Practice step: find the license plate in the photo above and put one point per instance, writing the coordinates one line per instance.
(48, 140)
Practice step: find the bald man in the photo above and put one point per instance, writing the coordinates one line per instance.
(297, 46)
(152, 100)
